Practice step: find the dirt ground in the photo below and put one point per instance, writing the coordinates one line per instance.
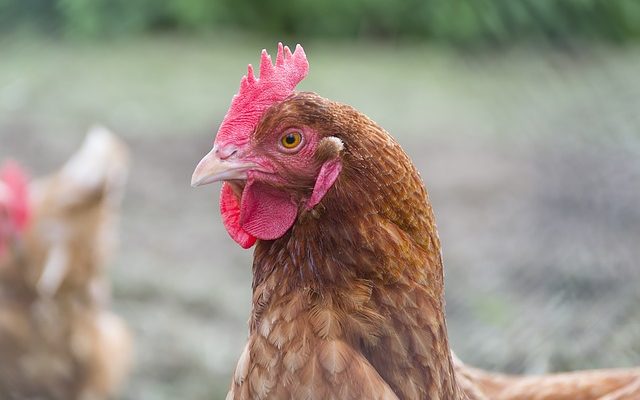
(532, 161)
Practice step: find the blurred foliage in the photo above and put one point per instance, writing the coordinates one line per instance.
(448, 21)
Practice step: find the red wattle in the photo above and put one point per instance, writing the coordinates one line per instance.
(230, 211)
(265, 212)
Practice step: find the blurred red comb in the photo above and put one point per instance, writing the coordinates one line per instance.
(14, 201)
(276, 83)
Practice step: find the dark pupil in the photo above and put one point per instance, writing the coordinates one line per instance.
(290, 139)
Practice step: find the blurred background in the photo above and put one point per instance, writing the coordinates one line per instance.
(523, 118)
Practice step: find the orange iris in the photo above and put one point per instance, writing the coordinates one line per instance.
(291, 140)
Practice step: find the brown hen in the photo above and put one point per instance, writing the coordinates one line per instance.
(58, 340)
(347, 273)
(613, 384)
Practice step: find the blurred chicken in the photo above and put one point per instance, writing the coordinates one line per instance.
(612, 384)
(348, 283)
(58, 340)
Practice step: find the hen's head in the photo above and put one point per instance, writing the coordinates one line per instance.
(284, 156)
(272, 151)
(14, 203)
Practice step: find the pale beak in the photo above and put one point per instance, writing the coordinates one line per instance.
(212, 168)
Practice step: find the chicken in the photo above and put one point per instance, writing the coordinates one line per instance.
(347, 274)
(14, 203)
(58, 340)
(615, 384)
(348, 284)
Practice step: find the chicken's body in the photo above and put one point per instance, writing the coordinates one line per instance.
(348, 291)
(333, 322)
(612, 384)
(58, 339)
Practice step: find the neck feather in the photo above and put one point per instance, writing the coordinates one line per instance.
(370, 253)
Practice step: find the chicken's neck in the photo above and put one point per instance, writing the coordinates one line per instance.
(369, 275)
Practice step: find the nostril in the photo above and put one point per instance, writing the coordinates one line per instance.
(226, 152)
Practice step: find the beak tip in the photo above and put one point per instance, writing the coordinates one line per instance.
(195, 181)
(213, 169)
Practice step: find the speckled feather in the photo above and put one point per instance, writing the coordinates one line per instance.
(348, 304)
(613, 384)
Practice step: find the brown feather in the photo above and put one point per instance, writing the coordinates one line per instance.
(351, 298)
(349, 303)
(58, 339)
(580, 385)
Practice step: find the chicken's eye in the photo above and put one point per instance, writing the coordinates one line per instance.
(291, 140)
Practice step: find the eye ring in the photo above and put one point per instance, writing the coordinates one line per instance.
(291, 140)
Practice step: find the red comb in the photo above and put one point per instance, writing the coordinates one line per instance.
(255, 95)
(14, 201)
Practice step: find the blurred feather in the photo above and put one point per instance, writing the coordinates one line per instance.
(58, 340)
